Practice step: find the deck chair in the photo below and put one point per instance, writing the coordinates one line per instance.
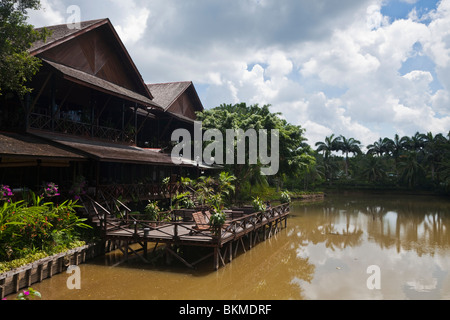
(201, 220)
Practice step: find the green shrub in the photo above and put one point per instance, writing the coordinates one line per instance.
(258, 205)
(285, 197)
(31, 226)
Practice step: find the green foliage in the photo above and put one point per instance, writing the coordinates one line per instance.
(258, 205)
(285, 197)
(182, 201)
(152, 211)
(29, 294)
(294, 154)
(27, 227)
(420, 161)
(218, 217)
(17, 66)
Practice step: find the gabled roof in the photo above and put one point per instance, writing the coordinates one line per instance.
(165, 94)
(62, 34)
(88, 80)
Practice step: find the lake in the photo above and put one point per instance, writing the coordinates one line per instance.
(349, 246)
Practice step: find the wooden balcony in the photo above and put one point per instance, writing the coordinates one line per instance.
(142, 192)
(78, 128)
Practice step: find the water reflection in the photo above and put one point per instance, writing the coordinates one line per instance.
(323, 254)
(407, 237)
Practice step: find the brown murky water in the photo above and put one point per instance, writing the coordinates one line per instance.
(324, 253)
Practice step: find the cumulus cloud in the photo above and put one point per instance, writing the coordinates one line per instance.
(331, 66)
(52, 12)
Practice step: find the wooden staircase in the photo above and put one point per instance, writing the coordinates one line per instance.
(98, 211)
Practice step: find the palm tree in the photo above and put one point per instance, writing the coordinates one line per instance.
(225, 184)
(374, 169)
(416, 142)
(411, 169)
(349, 146)
(432, 151)
(379, 147)
(329, 145)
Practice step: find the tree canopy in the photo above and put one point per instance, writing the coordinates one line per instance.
(294, 153)
(418, 161)
(17, 66)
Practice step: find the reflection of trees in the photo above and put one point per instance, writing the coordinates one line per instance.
(334, 228)
(420, 224)
(274, 263)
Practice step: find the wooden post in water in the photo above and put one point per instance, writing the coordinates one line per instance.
(216, 258)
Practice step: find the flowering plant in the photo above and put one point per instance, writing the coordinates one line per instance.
(28, 294)
(5, 193)
(50, 190)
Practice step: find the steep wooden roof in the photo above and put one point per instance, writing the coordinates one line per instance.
(86, 79)
(168, 96)
(96, 49)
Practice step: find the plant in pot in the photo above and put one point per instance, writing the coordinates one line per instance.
(258, 205)
(152, 211)
(217, 220)
(285, 197)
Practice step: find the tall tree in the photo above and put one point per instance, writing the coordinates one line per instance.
(432, 151)
(330, 144)
(380, 147)
(347, 146)
(294, 154)
(17, 66)
(410, 169)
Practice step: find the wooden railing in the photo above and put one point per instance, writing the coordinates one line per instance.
(177, 226)
(139, 191)
(45, 122)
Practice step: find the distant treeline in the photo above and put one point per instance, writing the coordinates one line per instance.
(421, 161)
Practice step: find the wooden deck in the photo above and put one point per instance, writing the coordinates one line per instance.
(243, 229)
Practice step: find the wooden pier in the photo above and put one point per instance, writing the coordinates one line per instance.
(242, 229)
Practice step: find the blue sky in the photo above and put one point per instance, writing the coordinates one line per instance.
(397, 9)
(361, 68)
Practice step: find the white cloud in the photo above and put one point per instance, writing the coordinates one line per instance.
(50, 14)
(134, 27)
(332, 67)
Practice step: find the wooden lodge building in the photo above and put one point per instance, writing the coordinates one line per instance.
(91, 115)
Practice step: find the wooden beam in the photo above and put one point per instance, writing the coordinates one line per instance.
(103, 109)
(178, 257)
(40, 92)
(143, 122)
(64, 100)
(166, 128)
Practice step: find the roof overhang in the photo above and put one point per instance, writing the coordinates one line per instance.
(23, 150)
(99, 84)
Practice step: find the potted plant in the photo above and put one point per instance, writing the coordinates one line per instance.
(217, 220)
(152, 212)
(258, 205)
(285, 197)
